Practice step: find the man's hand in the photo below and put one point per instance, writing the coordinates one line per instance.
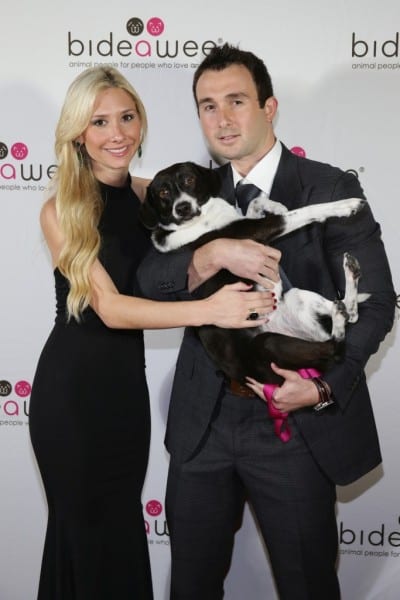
(295, 392)
(244, 258)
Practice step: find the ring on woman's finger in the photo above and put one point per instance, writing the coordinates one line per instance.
(253, 314)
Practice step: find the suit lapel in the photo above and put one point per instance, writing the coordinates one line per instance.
(286, 187)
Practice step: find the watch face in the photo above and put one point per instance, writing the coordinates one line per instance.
(323, 404)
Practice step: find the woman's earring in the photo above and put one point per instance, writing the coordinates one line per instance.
(139, 151)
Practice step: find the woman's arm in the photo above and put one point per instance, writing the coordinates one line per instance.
(227, 308)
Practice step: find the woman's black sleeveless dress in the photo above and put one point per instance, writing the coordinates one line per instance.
(90, 430)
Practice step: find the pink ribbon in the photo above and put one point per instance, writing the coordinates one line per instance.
(280, 418)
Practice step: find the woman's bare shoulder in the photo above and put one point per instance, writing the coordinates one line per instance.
(48, 212)
(139, 186)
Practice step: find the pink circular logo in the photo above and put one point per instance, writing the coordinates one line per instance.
(298, 150)
(154, 508)
(22, 388)
(19, 150)
(155, 26)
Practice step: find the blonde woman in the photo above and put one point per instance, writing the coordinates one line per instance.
(89, 412)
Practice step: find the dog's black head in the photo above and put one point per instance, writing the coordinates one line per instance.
(177, 194)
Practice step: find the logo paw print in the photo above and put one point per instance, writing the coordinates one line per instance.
(153, 508)
(155, 26)
(3, 150)
(5, 388)
(22, 388)
(19, 150)
(135, 26)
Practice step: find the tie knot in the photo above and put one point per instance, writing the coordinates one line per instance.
(245, 193)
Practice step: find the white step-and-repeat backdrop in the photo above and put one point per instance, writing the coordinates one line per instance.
(336, 71)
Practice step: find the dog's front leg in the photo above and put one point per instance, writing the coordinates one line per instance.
(318, 213)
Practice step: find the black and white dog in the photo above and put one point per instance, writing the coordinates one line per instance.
(182, 207)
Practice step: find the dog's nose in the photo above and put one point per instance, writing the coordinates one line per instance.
(183, 209)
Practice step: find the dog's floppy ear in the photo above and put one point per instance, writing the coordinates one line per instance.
(213, 178)
(216, 181)
(147, 214)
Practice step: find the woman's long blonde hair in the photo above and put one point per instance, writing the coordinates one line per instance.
(78, 200)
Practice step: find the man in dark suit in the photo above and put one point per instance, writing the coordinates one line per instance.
(222, 443)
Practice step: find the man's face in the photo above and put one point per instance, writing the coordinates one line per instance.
(235, 126)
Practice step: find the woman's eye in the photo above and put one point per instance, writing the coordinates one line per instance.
(98, 122)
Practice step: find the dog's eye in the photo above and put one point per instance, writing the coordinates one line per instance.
(189, 180)
(164, 194)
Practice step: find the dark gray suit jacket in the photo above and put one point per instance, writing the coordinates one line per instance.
(343, 438)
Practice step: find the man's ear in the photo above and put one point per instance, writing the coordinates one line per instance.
(270, 108)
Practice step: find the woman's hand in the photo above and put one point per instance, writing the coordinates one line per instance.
(256, 386)
(232, 305)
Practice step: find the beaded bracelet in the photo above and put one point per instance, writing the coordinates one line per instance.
(325, 397)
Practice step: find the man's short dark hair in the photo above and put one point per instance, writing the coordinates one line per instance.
(225, 56)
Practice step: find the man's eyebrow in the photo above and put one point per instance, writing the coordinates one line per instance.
(231, 96)
(205, 100)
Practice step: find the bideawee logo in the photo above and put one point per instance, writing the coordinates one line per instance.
(375, 54)
(19, 172)
(14, 403)
(147, 40)
(379, 541)
(155, 523)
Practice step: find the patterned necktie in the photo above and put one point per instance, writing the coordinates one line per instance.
(245, 193)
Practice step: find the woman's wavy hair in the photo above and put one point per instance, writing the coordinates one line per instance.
(78, 200)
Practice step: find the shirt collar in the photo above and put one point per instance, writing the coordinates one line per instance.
(263, 173)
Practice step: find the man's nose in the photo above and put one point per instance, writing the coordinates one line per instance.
(224, 116)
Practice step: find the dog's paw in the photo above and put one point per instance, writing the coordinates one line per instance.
(276, 208)
(348, 207)
(340, 309)
(351, 266)
(263, 205)
(339, 319)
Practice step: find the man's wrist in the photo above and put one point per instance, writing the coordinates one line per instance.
(324, 394)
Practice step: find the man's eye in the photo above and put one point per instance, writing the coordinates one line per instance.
(208, 107)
